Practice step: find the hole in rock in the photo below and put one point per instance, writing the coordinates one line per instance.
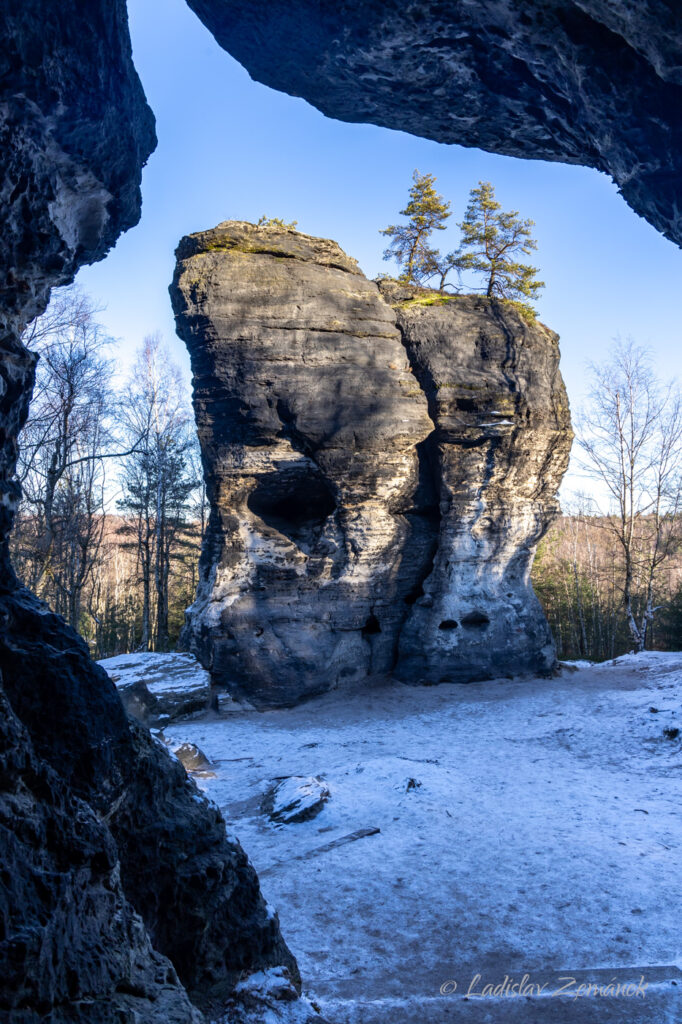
(293, 502)
(448, 624)
(475, 620)
(416, 592)
(371, 627)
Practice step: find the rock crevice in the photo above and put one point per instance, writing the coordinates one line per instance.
(376, 494)
(497, 455)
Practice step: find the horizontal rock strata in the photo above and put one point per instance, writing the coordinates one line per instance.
(297, 363)
(380, 465)
(498, 453)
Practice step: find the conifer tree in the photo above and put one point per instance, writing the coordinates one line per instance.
(492, 240)
(426, 211)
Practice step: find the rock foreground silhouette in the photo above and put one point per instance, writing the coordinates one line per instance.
(593, 82)
(381, 462)
(120, 888)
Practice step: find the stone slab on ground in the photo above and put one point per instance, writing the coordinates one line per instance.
(159, 688)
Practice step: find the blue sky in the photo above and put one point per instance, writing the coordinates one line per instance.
(230, 148)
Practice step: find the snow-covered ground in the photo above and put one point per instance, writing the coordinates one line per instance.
(526, 828)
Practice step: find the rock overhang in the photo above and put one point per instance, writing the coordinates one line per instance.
(593, 82)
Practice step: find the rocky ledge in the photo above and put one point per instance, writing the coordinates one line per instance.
(380, 462)
(159, 688)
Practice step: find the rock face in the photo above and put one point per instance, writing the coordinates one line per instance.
(498, 452)
(162, 844)
(120, 889)
(75, 131)
(73, 948)
(595, 82)
(308, 417)
(380, 465)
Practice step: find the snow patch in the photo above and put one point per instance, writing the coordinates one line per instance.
(160, 673)
(545, 835)
(158, 688)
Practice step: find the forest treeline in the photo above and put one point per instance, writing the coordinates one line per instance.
(578, 575)
(110, 523)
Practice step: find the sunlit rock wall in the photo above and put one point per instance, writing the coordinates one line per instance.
(309, 418)
(498, 453)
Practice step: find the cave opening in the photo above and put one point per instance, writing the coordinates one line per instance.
(296, 504)
(371, 626)
(476, 620)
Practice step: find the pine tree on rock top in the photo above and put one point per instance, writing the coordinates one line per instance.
(491, 242)
(427, 211)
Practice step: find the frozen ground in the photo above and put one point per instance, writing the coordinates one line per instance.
(526, 828)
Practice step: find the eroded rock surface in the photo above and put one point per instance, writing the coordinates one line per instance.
(75, 131)
(498, 453)
(594, 82)
(72, 947)
(380, 464)
(298, 798)
(194, 889)
(159, 688)
(309, 417)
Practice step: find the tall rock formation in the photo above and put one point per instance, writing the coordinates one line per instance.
(308, 418)
(380, 464)
(498, 452)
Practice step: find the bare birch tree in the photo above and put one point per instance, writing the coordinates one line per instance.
(62, 451)
(631, 439)
(158, 479)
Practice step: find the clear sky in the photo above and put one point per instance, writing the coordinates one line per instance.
(230, 148)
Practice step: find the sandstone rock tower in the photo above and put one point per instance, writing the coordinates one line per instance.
(381, 462)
